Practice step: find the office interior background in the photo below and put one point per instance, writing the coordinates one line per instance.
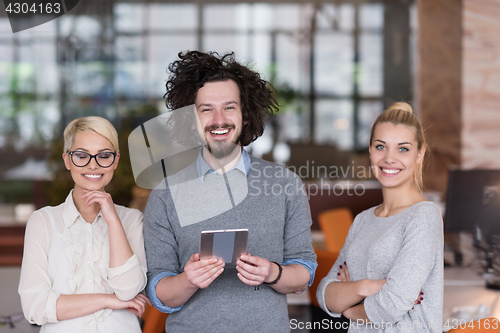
(335, 65)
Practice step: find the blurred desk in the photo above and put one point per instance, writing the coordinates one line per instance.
(465, 287)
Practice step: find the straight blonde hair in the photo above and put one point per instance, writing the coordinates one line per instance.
(92, 124)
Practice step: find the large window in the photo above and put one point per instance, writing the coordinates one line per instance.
(328, 60)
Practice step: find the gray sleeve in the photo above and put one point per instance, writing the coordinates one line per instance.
(413, 264)
(332, 275)
(297, 241)
(159, 239)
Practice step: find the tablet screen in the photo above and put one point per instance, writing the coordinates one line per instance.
(225, 244)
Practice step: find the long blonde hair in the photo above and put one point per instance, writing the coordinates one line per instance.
(91, 124)
(401, 113)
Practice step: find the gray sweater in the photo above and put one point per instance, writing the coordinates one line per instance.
(407, 250)
(270, 202)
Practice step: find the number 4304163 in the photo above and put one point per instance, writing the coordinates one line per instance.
(488, 323)
(26, 8)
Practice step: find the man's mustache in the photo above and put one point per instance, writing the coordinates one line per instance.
(214, 127)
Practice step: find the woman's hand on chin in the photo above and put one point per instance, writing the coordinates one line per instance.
(105, 201)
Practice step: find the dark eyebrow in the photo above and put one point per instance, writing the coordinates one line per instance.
(204, 104)
(208, 104)
(402, 143)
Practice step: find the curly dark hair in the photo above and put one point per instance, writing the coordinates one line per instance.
(194, 69)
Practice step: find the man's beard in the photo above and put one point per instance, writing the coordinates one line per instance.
(221, 149)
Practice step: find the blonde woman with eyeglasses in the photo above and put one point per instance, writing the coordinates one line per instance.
(84, 263)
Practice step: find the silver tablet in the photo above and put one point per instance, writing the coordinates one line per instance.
(225, 244)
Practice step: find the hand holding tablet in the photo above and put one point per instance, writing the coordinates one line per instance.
(227, 245)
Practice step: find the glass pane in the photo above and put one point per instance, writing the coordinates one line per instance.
(26, 124)
(371, 16)
(225, 43)
(290, 65)
(84, 27)
(371, 65)
(346, 17)
(292, 17)
(260, 54)
(161, 57)
(6, 110)
(226, 16)
(91, 79)
(24, 75)
(128, 17)
(262, 17)
(336, 17)
(47, 79)
(5, 28)
(6, 49)
(368, 112)
(25, 53)
(48, 118)
(333, 123)
(287, 16)
(173, 16)
(129, 48)
(293, 121)
(328, 17)
(130, 79)
(5, 77)
(334, 63)
(45, 49)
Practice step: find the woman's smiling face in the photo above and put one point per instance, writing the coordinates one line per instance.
(394, 154)
(92, 176)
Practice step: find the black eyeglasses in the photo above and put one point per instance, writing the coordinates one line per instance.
(81, 158)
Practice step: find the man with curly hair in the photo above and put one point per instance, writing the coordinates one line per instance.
(231, 103)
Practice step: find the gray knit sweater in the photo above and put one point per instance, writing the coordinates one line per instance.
(270, 202)
(407, 250)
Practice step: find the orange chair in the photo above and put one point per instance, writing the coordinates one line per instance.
(325, 259)
(154, 320)
(487, 325)
(335, 224)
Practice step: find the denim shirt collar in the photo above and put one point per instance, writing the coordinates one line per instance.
(202, 167)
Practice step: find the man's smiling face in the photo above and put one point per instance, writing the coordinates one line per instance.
(219, 110)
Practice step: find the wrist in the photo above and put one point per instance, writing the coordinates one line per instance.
(276, 275)
(273, 273)
(107, 300)
(363, 288)
(189, 285)
(114, 220)
(347, 313)
(370, 287)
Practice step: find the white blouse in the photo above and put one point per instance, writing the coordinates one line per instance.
(63, 254)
